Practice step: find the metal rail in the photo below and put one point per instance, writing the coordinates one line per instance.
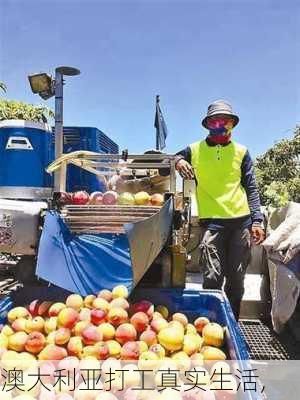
(99, 164)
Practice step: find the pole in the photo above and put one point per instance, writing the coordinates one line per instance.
(158, 121)
(58, 126)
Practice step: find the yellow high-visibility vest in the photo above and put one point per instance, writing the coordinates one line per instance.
(219, 191)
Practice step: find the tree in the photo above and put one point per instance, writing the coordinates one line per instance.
(278, 172)
(11, 109)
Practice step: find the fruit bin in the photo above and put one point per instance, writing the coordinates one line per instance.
(210, 303)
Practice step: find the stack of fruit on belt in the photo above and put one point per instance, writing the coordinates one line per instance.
(111, 198)
(106, 328)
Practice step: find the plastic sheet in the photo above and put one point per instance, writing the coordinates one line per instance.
(84, 263)
(283, 249)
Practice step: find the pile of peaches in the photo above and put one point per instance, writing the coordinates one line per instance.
(107, 327)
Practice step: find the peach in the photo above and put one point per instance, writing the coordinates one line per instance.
(177, 325)
(50, 325)
(197, 360)
(88, 301)
(107, 396)
(55, 309)
(17, 341)
(88, 364)
(5, 393)
(131, 376)
(17, 312)
(34, 307)
(114, 348)
(80, 326)
(35, 342)
(62, 336)
(75, 346)
(162, 310)
(53, 352)
(192, 343)
(102, 350)
(212, 353)
(149, 337)
(120, 291)
(47, 368)
(19, 324)
(130, 351)
(213, 334)
(117, 316)
(182, 360)
(90, 335)
(148, 361)
(105, 294)
(64, 396)
(158, 324)
(50, 339)
(3, 341)
(35, 324)
(158, 350)
(191, 329)
(85, 314)
(200, 323)
(27, 360)
(98, 316)
(120, 302)
(9, 360)
(157, 315)
(88, 351)
(144, 306)
(180, 318)
(101, 304)
(140, 321)
(44, 307)
(143, 346)
(74, 301)
(125, 333)
(107, 330)
(67, 317)
(171, 338)
(7, 330)
(47, 392)
(69, 363)
(81, 392)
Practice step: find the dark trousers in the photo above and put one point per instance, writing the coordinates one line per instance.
(224, 256)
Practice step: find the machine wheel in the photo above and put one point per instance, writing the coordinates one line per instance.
(25, 270)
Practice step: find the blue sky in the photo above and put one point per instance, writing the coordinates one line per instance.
(189, 52)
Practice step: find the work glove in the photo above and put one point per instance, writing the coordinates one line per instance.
(185, 169)
(258, 233)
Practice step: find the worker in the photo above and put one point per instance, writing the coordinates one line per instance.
(228, 202)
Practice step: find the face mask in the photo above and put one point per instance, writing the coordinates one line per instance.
(220, 130)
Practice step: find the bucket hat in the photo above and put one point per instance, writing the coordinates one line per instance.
(218, 107)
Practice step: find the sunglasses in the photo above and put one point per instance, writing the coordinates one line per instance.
(219, 122)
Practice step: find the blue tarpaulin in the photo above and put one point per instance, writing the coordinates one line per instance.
(83, 263)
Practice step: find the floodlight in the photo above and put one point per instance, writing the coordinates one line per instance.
(40, 83)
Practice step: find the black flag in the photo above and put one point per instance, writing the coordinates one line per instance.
(161, 127)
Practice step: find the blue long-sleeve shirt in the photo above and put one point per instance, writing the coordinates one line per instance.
(248, 182)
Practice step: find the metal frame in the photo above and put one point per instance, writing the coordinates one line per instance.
(92, 163)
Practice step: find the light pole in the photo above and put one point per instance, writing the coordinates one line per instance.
(46, 87)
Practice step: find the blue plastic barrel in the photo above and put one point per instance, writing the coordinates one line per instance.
(25, 152)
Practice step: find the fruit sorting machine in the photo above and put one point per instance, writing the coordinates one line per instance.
(157, 235)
